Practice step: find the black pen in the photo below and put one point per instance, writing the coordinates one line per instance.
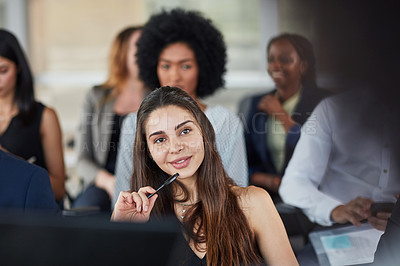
(166, 183)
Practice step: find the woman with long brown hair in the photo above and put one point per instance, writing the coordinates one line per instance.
(223, 224)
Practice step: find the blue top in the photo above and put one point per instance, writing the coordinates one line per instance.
(24, 185)
(258, 154)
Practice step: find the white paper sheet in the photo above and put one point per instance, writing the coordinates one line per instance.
(348, 246)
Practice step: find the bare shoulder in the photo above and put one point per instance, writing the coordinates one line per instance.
(252, 197)
(49, 120)
(49, 113)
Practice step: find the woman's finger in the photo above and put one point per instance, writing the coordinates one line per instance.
(138, 201)
(123, 197)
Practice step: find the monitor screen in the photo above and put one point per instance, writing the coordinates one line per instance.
(40, 239)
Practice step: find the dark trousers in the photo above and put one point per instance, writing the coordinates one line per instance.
(93, 197)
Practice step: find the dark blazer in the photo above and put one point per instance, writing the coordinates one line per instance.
(24, 185)
(258, 155)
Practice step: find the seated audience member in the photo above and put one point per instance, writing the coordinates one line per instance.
(272, 120)
(103, 111)
(183, 49)
(223, 224)
(28, 129)
(24, 186)
(343, 161)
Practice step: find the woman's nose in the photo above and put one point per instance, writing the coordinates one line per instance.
(175, 145)
(174, 74)
(274, 64)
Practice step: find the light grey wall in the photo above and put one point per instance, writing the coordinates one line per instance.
(15, 19)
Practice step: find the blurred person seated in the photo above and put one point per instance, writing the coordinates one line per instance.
(174, 49)
(24, 186)
(103, 112)
(343, 161)
(272, 120)
(28, 129)
(342, 164)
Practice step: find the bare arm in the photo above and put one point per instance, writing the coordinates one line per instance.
(268, 228)
(51, 136)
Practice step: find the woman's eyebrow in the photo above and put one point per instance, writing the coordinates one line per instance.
(176, 127)
(182, 124)
(180, 61)
(156, 133)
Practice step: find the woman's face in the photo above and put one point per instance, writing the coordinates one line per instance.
(132, 66)
(8, 77)
(284, 64)
(177, 67)
(175, 141)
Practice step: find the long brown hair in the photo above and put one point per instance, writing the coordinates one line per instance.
(117, 68)
(223, 225)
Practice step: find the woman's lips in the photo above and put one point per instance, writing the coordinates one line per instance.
(181, 163)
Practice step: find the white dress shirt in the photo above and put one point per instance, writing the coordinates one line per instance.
(344, 152)
(229, 138)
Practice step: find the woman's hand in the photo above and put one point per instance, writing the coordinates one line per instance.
(270, 104)
(135, 206)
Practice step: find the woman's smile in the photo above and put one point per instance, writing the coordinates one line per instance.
(181, 162)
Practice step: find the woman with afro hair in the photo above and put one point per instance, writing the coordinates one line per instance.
(183, 49)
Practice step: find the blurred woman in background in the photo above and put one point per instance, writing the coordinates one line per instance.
(103, 111)
(28, 129)
(273, 119)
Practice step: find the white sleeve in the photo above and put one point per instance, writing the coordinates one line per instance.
(307, 168)
(231, 147)
(124, 163)
(237, 161)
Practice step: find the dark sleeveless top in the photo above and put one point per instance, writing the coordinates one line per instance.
(24, 140)
(183, 255)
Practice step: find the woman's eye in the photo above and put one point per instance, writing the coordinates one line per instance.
(164, 67)
(284, 60)
(186, 67)
(159, 140)
(185, 131)
(270, 59)
(3, 70)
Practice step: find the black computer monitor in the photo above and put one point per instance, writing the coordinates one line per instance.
(39, 239)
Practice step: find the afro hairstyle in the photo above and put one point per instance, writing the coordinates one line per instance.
(192, 28)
